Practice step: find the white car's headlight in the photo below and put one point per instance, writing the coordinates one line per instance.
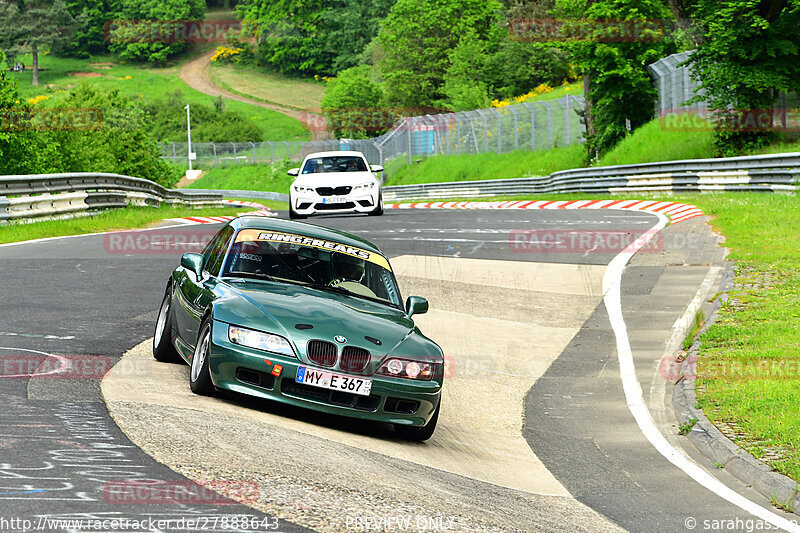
(300, 188)
(260, 341)
(364, 186)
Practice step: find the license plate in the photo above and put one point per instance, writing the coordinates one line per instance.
(334, 200)
(329, 380)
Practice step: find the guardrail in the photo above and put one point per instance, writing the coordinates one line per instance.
(46, 195)
(250, 195)
(773, 173)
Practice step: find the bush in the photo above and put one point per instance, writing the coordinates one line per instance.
(209, 124)
(112, 136)
(518, 67)
(121, 143)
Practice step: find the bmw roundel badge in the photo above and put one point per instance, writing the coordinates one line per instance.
(340, 339)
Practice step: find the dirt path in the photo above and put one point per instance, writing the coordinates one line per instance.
(195, 74)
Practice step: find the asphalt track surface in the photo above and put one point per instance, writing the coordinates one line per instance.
(79, 298)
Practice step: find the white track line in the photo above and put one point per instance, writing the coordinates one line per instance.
(612, 281)
(63, 364)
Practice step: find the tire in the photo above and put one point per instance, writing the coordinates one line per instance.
(199, 375)
(293, 214)
(419, 434)
(378, 211)
(163, 350)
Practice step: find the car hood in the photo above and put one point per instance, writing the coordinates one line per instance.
(279, 307)
(334, 179)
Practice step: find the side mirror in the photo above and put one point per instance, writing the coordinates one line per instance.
(416, 305)
(293, 171)
(193, 263)
(376, 168)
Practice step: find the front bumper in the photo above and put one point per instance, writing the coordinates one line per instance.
(246, 371)
(311, 203)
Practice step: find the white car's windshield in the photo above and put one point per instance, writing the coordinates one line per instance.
(343, 163)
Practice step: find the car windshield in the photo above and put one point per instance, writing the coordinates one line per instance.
(321, 264)
(339, 163)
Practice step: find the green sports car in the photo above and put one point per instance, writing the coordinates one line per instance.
(303, 315)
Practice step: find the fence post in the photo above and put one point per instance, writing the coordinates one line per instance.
(271, 153)
(485, 131)
(566, 121)
(410, 144)
(254, 152)
(287, 148)
(499, 132)
(516, 128)
(214, 147)
(458, 136)
(174, 154)
(446, 119)
(533, 125)
(549, 125)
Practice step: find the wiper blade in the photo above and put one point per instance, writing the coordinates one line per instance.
(251, 275)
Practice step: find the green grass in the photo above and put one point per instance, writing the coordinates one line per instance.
(115, 219)
(652, 143)
(146, 84)
(248, 178)
(573, 89)
(519, 164)
(268, 87)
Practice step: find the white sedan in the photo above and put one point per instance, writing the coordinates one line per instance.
(335, 182)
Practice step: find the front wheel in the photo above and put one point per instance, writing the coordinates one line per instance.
(199, 376)
(378, 211)
(419, 434)
(163, 350)
(293, 214)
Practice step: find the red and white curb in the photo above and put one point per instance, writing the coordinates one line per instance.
(260, 211)
(675, 211)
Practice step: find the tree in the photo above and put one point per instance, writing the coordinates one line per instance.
(748, 53)
(615, 42)
(349, 26)
(143, 16)
(464, 85)
(417, 37)
(313, 36)
(30, 25)
(352, 104)
(90, 37)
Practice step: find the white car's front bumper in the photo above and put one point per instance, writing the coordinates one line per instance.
(358, 201)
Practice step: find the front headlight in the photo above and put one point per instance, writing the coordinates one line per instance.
(364, 186)
(260, 341)
(300, 188)
(404, 368)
